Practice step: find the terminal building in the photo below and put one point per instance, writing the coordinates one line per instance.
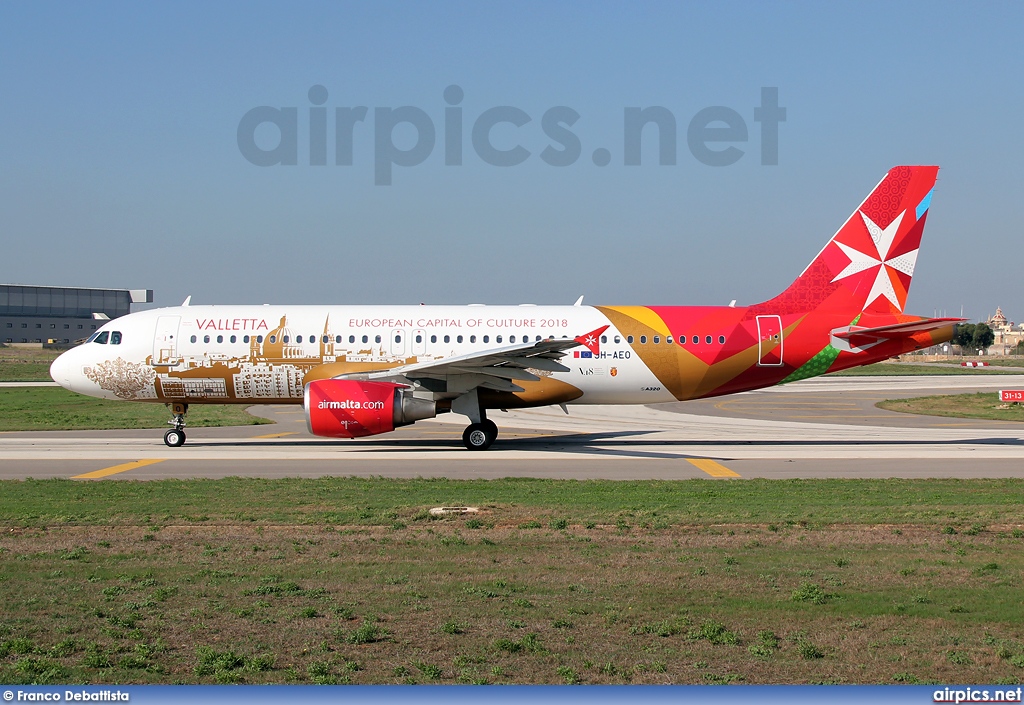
(61, 315)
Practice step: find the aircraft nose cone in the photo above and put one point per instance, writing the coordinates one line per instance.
(60, 370)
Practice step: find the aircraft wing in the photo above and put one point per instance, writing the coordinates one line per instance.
(495, 368)
(859, 336)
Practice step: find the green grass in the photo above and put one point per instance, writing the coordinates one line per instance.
(903, 369)
(981, 405)
(24, 372)
(26, 364)
(624, 505)
(53, 408)
(306, 581)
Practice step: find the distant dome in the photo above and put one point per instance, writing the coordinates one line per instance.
(999, 319)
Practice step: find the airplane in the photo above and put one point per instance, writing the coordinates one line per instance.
(366, 370)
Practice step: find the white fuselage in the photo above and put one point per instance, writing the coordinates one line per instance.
(246, 354)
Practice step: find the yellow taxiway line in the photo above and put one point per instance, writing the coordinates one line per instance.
(715, 469)
(278, 435)
(124, 467)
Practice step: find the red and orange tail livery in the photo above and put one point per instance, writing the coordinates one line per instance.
(867, 265)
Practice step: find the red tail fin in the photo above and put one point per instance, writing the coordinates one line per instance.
(869, 263)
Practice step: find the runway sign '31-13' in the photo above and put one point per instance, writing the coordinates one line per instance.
(1016, 395)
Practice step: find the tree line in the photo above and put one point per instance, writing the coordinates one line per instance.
(972, 337)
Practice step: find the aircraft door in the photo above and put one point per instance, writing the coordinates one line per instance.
(769, 341)
(165, 341)
(419, 342)
(398, 342)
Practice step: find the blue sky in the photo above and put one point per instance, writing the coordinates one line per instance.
(120, 166)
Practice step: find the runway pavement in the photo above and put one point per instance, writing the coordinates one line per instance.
(825, 427)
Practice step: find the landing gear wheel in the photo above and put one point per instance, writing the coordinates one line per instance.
(491, 429)
(479, 436)
(175, 438)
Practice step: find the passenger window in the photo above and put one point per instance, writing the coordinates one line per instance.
(459, 339)
(498, 339)
(351, 339)
(643, 340)
(233, 339)
(487, 338)
(115, 338)
(668, 339)
(629, 339)
(398, 339)
(366, 339)
(472, 338)
(259, 338)
(102, 338)
(511, 339)
(376, 339)
(721, 340)
(657, 339)
(286, 339)
(433, 339)
(193, 339)
(696, 339)
(618, 340)
(708, 340)
(273, 339)
(419, 338)
(220, 338)
(206, 339)
(682, 340)
(447, 339)
(604, 338)
(245, 339)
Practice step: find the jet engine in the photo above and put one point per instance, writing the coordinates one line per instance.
(347, 408)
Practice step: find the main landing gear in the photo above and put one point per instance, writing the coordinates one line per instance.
(480, 436)
(175, 437)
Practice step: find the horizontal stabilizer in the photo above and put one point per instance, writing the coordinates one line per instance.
(861, 337)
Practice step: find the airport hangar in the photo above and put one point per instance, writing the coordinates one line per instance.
(59, 315)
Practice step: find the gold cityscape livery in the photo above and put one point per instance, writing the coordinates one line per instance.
(365, 370)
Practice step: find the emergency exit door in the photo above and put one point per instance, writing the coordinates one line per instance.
(769, 341)
(165, 341)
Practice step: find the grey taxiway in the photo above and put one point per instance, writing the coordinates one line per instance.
(824, 427)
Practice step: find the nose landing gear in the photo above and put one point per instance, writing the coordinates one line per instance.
(175, 437)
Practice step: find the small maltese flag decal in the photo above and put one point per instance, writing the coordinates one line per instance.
(592, 341)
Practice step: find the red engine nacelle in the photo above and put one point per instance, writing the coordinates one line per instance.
(348, 408)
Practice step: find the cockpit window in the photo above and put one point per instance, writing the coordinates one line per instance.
(115, 338)
(101, 337)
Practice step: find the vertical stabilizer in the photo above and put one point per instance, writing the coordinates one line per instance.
(869, 263)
